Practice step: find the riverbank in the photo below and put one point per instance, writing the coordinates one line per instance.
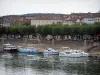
(42, 44)
(58, 44)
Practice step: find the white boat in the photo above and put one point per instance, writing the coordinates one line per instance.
(72, 53)
(9, 47)
(84, 54)
(50, 51)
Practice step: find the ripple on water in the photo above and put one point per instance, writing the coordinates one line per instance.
(25, 64)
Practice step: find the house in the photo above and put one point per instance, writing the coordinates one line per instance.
(50, 18)
(68, 20)
(47, 19)
(97, 19)
(4, 25)
(88, 20)
(72, 19)
(12, 19)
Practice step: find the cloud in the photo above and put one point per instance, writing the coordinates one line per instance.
(50, 6)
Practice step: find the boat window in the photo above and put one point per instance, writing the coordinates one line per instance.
(49, 50)
(67, 52)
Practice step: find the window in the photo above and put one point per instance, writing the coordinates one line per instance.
(53, 23)
(59, 22)
(90, 19)
(67, 52)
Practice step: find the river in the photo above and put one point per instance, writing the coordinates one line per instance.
(39, 64)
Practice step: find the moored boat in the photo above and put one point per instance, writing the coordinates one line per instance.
(9, 48)
(70, 54)
(73, 53)
(28, 50)
(50, 51)
(84, 54)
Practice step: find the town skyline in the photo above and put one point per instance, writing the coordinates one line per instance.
(10, 7)
(50, 13)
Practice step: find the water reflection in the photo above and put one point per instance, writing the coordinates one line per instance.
(28, 64)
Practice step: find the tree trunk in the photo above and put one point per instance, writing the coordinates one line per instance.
(53, 41)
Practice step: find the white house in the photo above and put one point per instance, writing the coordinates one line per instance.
(44, 22)
(88, 20)
(46, 19)
(68, 20)
(97, 19)
(5, 25)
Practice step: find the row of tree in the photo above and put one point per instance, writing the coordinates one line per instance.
(54, 29)
(21, 30)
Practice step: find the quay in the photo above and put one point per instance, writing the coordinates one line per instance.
(83, 45)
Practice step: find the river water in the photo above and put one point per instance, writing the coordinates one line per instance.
(39, 64)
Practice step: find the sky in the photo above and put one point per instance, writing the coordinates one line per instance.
(14, 7)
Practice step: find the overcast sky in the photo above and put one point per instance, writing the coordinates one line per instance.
(9, 7)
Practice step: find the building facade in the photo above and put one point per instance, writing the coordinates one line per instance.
(44, 19)
(50, 18)
(97, 19)
(4, 25)
(44, 22)
(88, 20)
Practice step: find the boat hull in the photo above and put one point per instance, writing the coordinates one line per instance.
(70, 55)
(21, 50)
(73, 54)
(10, 50)
(52, 53)
(85, 54)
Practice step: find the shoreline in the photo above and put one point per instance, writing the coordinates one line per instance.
(58, 44)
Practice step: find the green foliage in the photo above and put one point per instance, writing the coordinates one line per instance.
(54, 29)
(27, 24)
(2, 30)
